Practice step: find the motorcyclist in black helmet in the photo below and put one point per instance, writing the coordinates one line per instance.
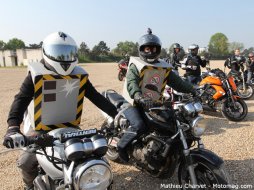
(143, 70)
(192, 65)
(175, 57)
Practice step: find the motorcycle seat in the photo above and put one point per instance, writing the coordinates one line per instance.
(116, 99)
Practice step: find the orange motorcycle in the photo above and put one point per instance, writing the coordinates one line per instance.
(219, 92)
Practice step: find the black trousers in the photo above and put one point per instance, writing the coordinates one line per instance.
(137, 127)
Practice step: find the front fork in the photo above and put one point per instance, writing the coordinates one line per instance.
(188, 158)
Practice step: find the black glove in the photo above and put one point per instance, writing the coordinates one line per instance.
(145, 102)
(14, 138)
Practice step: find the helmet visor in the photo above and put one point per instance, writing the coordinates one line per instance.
(61, 53)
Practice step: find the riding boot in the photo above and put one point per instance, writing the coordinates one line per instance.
(126, 139)
(137, 127)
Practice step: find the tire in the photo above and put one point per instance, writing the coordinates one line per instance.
(120, 76)
(229, 112)
(213, 177)
(247, 94)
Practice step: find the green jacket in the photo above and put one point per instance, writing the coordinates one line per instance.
(174, 81)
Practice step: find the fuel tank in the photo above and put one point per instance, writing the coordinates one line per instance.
(211, 80)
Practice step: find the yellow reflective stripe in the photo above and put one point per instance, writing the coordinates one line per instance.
(79, 108)
(37, 115)
(74, 122)
(83, 81)
(67, 77)
(61, 125)
(167, 73)
(81, 95)
(37, 100)
(40, 126)
(45, 128)
(48, 77)
(78, 120)
(142, 74)
(38, 85)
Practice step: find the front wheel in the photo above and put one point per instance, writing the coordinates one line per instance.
(234, 113)
(208, 176)
(246, 93)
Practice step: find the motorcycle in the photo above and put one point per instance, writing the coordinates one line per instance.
(244, 90)
(168, 144)
(252, 77)
(70, 159)
(122, 69)
(219, 92)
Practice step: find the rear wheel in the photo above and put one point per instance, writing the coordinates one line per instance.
(208, 176)
(234, 113)
(246, 93)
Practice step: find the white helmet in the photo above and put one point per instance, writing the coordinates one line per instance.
(60, 53)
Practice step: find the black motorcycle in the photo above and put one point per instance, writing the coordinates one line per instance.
(169, 143)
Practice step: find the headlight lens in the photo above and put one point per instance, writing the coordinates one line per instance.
(96, 177)
(199, 125)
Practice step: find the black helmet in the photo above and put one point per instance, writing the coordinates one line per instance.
(193, 49)
(176, 45)
(154, 43)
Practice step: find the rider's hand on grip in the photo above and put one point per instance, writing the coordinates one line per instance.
(145, 102)
(14, 138)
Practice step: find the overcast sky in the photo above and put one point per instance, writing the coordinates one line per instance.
(182, 21)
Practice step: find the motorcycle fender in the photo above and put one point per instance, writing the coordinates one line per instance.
(207, 155)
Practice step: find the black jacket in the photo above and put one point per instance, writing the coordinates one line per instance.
(235, 62)
(194, 61)
(26, 94)
(175, 60)
(250, 65)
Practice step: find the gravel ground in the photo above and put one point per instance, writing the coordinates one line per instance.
(230, 140)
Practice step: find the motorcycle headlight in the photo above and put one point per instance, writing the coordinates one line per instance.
(198, 126)
(94, 175)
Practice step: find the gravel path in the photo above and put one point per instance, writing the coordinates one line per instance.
(231, 141)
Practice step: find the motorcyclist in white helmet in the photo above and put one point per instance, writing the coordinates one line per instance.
(50, 97)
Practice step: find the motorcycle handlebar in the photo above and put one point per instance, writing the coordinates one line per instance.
(46, 140)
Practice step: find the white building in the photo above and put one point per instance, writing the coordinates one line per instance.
(10, 58)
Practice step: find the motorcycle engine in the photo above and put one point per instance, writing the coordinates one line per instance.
(208, 96)
(149, 156)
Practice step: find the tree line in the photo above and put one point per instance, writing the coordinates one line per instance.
(219, 47)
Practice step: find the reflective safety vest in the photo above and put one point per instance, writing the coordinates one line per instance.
(153, 78)
(58, 100)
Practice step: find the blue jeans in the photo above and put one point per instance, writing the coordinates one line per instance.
(249, 75)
